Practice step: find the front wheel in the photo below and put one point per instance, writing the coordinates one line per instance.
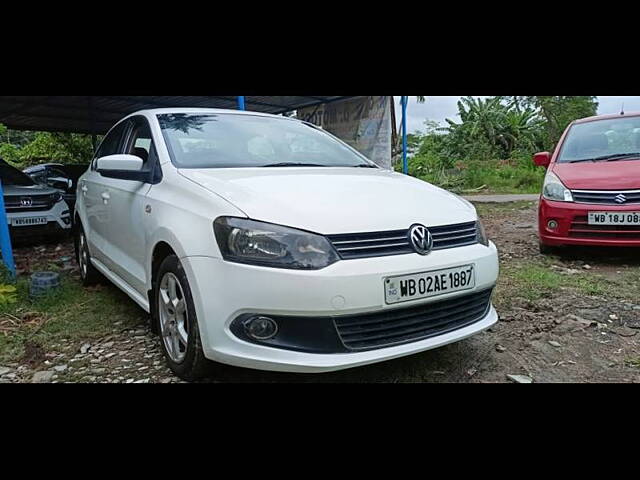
(177, 323)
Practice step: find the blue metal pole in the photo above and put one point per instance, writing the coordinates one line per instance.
(241, 103)
(405, 163)
(5, 238)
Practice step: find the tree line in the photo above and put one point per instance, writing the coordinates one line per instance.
(492, 143)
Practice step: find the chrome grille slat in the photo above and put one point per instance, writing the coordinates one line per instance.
(473, 229)
(606, 197)
(374, 240)
(386, 245)
(396, 242)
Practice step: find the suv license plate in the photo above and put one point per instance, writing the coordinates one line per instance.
(28, 221)
(429, 284)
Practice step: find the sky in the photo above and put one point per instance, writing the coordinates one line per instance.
(439, 108)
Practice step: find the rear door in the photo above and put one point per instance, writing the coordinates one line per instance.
(91, 189)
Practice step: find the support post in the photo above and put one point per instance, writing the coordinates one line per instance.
(5, 238)
(405, 162)
(241, 103)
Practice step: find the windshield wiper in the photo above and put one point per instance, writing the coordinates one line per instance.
(608, 158)
(294, 164)
(620, 156)
(365, 165)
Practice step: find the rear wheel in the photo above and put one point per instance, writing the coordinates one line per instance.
(90, 276)
(177, 322)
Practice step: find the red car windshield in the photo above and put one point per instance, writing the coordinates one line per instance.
(602, 140)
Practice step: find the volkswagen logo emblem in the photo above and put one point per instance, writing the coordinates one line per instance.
(26, 202)
(421, 239)
(620, 198)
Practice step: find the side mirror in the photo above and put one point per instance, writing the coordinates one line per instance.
(542, 159)
(122, 167)
(60, 183)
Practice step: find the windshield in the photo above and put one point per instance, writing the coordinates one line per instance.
(12, 176)
(602, 140)
(232, 141)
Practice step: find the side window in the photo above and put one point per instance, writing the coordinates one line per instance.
(112, 143)
(140, 142)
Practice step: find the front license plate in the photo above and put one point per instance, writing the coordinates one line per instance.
(614, 218)
(28, 221)
(429, 284)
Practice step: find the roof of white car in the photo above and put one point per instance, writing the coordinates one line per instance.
(219, 111)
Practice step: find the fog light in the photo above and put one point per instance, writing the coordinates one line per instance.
(260, 328)
(552, 224)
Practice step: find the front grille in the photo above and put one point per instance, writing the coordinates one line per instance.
(13, 203)
(451, 236)
(606, 197)
(383, 329)
(396, 242)
(580, 228)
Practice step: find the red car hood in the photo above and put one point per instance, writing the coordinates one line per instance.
(620, 175)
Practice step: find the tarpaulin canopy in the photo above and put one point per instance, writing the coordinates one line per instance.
(97, 114)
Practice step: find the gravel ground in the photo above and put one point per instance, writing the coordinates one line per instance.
(562, 337)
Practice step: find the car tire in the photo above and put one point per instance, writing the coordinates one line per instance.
(88, 273)
(177, 323)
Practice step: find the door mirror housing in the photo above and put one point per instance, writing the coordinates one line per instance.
(542, 159)
(123, 167)
(60, 183)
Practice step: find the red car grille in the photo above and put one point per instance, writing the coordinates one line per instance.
(580, 228)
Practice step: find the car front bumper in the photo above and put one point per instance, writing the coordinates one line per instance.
(58, 222)
(223, 291)
(573, 228)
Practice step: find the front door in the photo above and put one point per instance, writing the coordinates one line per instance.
(126, 246)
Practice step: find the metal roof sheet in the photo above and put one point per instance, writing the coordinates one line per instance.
(97, 114)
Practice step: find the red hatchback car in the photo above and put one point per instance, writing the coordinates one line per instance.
(591, 193)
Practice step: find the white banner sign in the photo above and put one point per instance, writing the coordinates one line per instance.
(362, 122)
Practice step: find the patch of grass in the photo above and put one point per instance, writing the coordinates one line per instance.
(494, 176)
(535, 279)
(70, 313)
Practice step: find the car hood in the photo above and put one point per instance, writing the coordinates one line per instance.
(14, 190)
(334, 200)
(620, 175)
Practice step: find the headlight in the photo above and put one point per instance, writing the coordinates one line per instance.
(553, 189)
(481, 234)
(258, 243)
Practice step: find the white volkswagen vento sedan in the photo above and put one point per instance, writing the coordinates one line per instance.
(262, 241)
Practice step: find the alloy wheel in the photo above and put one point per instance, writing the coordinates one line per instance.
(172, 307)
